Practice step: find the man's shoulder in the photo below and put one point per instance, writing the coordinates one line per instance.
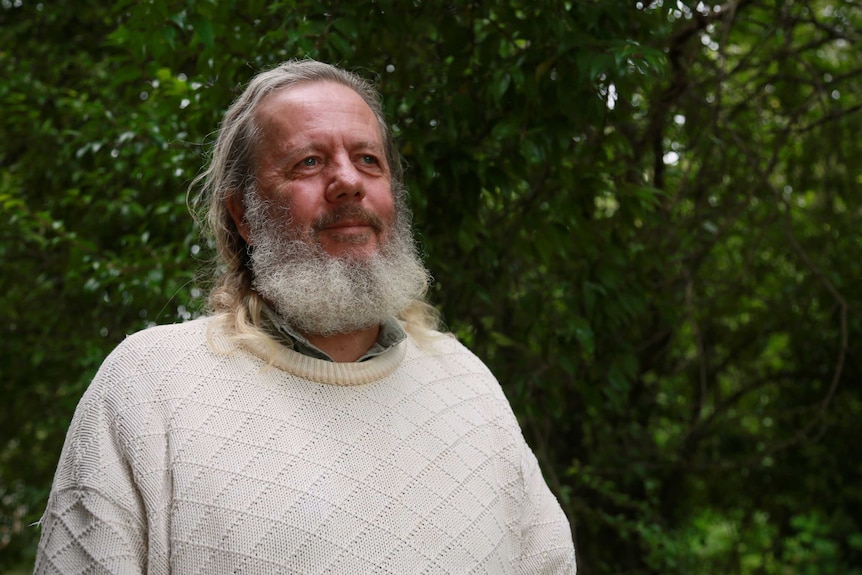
(431, 342)
(187, 334)
(445, 348)
(158, 345)
(147, 361)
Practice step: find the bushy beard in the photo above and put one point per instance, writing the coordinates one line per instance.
(318, 293)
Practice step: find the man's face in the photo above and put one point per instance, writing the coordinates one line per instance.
(321, 157)
(330, 252)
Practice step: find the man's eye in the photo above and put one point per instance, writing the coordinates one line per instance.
(369, 160)
(309, 162)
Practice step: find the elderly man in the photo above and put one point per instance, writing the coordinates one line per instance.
(315, 421)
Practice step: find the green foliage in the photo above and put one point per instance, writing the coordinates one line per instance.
(645, 219)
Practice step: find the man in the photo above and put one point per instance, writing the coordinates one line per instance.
(315, 422)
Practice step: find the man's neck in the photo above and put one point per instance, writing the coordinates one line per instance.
(345, 347)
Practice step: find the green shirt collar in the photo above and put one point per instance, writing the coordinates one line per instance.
(391, 334)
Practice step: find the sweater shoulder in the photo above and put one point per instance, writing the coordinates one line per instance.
(190, 333)
(149, 356)
(447, 357)
(446, 345)
(158, 345)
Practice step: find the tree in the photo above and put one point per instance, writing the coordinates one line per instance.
(643, 219)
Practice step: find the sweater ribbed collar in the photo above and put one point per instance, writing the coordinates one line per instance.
(328, 372)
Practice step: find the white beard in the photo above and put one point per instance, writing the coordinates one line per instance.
(317, 293)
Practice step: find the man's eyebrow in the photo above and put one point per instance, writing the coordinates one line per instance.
(294, 154)
(301, 150)
(368, 145)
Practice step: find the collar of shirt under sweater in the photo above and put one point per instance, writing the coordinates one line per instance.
(391, 334)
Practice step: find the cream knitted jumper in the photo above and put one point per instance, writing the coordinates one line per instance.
(182, 460)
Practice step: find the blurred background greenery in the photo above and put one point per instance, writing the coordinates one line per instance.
(643, 215)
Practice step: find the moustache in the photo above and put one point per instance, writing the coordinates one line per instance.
(352, 213)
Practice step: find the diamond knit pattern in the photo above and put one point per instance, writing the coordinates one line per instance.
(183, 460)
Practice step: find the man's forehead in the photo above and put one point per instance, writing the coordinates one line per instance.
(315, 93)
(314, 113)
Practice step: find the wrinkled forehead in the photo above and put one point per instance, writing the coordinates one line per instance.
(325, 97)
(314, 113)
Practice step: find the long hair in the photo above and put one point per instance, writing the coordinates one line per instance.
(232, 171)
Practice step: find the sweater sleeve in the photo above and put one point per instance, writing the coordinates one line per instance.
(94, 521)
(546, 538)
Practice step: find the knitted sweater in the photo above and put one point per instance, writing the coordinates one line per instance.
(182, 460)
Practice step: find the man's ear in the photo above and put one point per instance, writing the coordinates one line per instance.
(237, 212)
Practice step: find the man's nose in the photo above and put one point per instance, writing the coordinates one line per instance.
(345, 183)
